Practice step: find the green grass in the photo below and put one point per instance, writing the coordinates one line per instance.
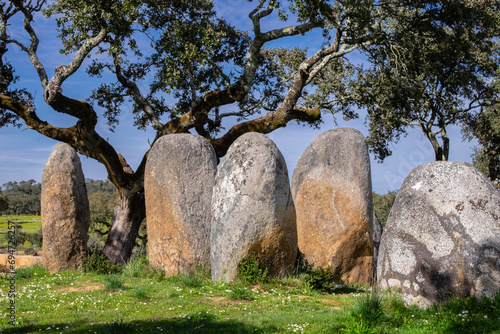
(139, 299)
(78, 302)
(113, 282)
(30, 224)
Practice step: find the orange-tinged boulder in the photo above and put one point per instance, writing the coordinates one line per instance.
(65, 210)
(178, 186)
(331, 186)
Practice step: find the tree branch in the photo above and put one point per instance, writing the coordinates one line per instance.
(65, 71)
(84, 140)
(252, 63)
(265, 124)
(32, 49)
(31, 119)
(256, 16)
(198, 114)
(136, 94)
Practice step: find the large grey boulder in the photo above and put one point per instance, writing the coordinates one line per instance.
(65, 210)
(331, 187)
(442, 237)
(252, 210)
(178, 186)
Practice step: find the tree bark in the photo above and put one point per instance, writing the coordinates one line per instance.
(129, 212)
(441, 152)
(493, 166)
(446, 148)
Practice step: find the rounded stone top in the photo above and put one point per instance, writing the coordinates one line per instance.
(62, 160)
(252, 142)
(446, 184)
(176, 142)
(337, 156)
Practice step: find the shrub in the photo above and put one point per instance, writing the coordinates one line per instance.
(36, 239)
(31, 251)
(112, 282)
(94, 243)
(30, 272)
(322, 279)
(95, 261)
(365, 316)
(188, 280)
(140, 292)
(250, 270)
(240, 294)
(369, 308)
(138, 266)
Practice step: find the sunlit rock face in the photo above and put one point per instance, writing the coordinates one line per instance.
(442, 237)
(331, 187)
(178, 184)
(65, 210)
(253, 215)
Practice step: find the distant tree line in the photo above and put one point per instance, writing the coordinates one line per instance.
(23, 198)
(382, 205)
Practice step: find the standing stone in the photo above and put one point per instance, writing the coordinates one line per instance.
(65, 210)
(442, 237)
(253, 215)
(331, 187)
(178, 184)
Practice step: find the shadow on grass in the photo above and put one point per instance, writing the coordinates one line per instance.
(345, 290)
(202, 325)
(476, 326)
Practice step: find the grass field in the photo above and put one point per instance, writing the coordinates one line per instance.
(30, 224)
(140, 300)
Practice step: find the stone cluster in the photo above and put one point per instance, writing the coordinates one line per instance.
(441, 240)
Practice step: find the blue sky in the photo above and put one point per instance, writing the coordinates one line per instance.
(24, 151)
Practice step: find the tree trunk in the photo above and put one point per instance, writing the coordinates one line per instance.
(493, 165)
(438, 150)
(441, 152)
(129, 212)
(446, 145)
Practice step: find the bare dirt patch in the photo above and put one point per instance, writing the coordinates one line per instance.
(334, 304)
(225, 300)
(82, 287)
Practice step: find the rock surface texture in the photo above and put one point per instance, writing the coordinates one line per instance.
(65, 210)
(331, 187)
(252, 210)
(178, 186)
(442, 237)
